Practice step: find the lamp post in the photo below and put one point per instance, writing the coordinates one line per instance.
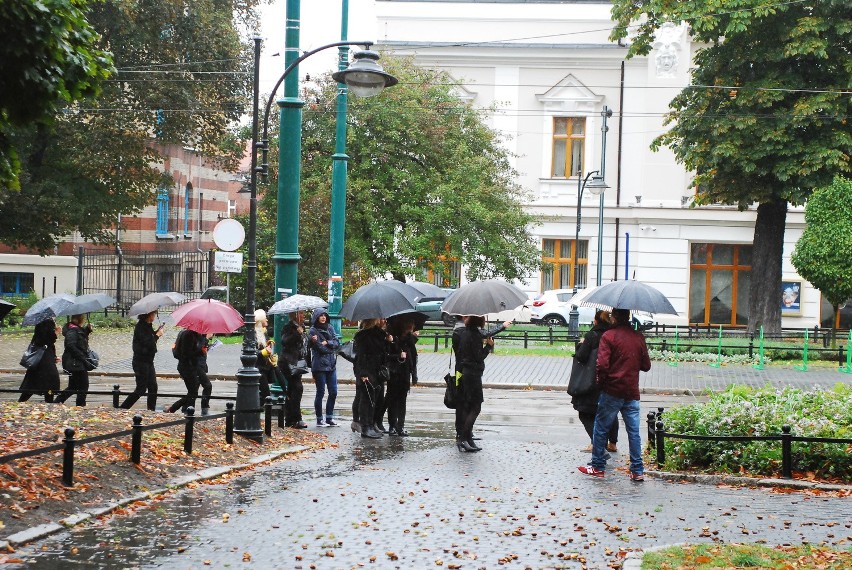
(364, 77)
(605, 114)
(596, 186)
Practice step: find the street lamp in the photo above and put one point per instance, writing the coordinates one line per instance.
(596, 186)
(366, 78)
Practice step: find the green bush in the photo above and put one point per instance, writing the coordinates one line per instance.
(743, 411)
(22, 304)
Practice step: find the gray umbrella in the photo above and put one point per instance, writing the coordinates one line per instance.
(153, 301)
(380, 300)
(5, 308)
(87, 303)
(296, 303)
(48, 308)
(483, 297)
(427, 290)
(631, 295)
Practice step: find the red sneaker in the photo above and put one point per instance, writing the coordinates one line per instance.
(591, 471)
(639, 477)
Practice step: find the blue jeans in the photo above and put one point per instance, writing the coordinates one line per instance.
(325, 378)
(608, 408)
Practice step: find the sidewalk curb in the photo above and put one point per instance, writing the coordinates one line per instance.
(43, 530)
(736, 480)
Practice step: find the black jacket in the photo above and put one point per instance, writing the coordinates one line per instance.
(470, 350)
(189, 345)
(144, 342)
(44, 375)
(404, 369)
(590, 342)
(76, 347)
(371, 352)
(293, 345)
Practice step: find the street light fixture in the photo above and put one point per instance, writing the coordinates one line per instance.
(596, 186)
(366, 77)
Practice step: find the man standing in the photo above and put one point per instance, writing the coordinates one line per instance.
(621, 355)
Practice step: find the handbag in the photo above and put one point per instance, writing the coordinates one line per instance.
(582, 379)
(92, 360)
(32, 356)
(450, 395)
(384, 373)
(347, 351)
(301, 367)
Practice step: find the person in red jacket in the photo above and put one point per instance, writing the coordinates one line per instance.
(622, 353)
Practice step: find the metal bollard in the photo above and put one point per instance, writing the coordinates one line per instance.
(229, 422)
(660, 434)
(751, 345)
(115, 395)
(652, 417)
(281, 422)
(550, 334)
(68, 458)
(663, 346)
(786, 453)
(526, 339)
(436, 344)
(267, 416)
(136, 440)
(187, 433)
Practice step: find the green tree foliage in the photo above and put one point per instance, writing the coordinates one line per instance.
(49, 57)
(428, 183)
(766, 119)
(822, 253)
(182, 77)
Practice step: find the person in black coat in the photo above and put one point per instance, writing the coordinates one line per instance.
(372, 346)
(587, 404)
(203, 380)
(43, 378)
(294, 347)
(471, 346)
(402, 364)
(76, 334)
(144, 349)
(188, 347)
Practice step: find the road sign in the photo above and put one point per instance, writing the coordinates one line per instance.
(229, 235)
(228, 261)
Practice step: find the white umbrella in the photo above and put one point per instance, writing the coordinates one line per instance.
(296, 303)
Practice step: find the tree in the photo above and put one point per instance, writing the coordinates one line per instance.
(429, 183)
(49, 57)
(182, 77)
(766, 119)
(822, 253)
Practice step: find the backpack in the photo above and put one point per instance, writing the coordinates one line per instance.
(177, 347)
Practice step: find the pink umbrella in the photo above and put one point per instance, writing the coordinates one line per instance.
(207, 316)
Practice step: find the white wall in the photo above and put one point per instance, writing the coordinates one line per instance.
(51, 274)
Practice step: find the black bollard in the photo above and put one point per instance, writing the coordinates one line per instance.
(267, 416)
(190, 427)
(229, 422)
(136, 440)
(115, 395)
(660, 434)
(68, 458)
(786, 453)
(652, 418)
(281, 412)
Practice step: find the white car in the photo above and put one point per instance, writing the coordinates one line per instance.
(553, 307)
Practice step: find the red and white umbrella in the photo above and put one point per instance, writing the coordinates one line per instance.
(207, 316)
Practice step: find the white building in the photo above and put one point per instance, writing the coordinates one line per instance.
(551, 70)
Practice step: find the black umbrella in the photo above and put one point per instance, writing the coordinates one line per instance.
(48, 308)
(483, 297)
(88, 303)
(427, 290)
(153, 301)
(417, 317)
(631, 295)
(5, 307)
(379, 300)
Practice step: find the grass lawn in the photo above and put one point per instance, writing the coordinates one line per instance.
(715, 556)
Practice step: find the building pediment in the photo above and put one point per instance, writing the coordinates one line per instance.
(570, 96)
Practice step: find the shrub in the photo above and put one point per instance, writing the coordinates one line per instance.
(743, 411)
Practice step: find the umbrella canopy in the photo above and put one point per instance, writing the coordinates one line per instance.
(153, 301)
(88, 303)
(5, 307)
(48, 308)
(295, 304)
(427, 290)
(416, 316)
(207, 316)
(631, 295)
(483, 297)
(380, 300)
(581, 295)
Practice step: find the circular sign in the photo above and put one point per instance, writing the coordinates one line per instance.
(229, 234)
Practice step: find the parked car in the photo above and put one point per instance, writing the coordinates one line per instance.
(431, 307)
(553, 307)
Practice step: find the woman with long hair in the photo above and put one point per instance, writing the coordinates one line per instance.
(372, 346)
(266, 357)
(43, 378)
(294, 347)
(402, 365)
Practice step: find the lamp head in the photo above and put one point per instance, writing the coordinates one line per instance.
(365, 77)
(596, 185)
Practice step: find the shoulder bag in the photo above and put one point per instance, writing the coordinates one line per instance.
(92, 360)
(32, 356)
(451, 391)
(347, 351)
(582, 379)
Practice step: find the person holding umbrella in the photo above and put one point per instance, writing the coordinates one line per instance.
(144, 349)
(294, 347)
(76, 333)
(43, 378)
(324, 345)
(372, 349)
(188, 350)
(402, 365)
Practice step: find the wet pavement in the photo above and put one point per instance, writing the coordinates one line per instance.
(417, 502)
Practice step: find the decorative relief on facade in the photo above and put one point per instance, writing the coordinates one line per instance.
(668, 47)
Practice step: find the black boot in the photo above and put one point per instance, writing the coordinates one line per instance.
(380, 427)
(473, 446)
(370, 433)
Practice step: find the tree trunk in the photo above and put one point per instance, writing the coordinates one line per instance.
(764, 300)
